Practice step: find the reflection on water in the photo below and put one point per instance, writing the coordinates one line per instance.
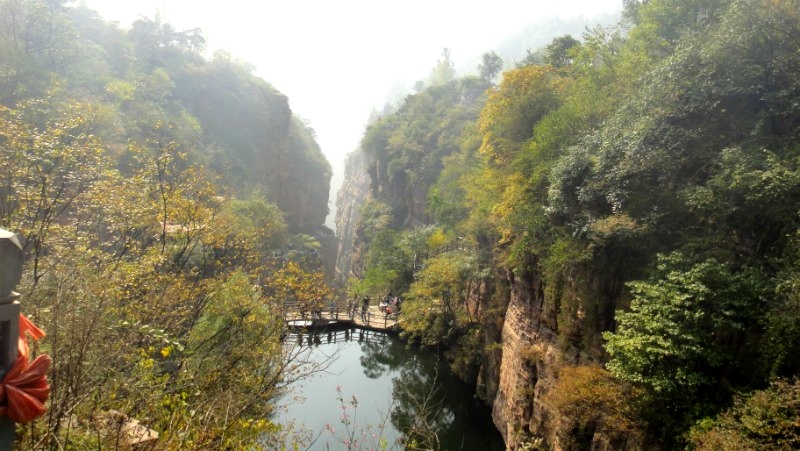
(375, 378)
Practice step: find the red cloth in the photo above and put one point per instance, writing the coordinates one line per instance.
(24, 388)
(25, 325)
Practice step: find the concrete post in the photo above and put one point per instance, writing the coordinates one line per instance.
(11, 260)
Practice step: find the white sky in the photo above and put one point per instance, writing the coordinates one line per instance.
(336, 60)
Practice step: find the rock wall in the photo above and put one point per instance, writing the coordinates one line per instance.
(527, 366)
(261, 146)
(528, 369)
(351, 197)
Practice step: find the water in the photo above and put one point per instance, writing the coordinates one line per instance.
(395, 388)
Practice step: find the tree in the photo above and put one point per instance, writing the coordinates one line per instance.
(490, 66)
(686, 330)
(46, 168)
(521, 100)
(592, 401)
(764, 419)
(444, 72)
(142, 265)
(293, 287)
(434, 310)
(36, 42)
(557, 53)
(532, 58)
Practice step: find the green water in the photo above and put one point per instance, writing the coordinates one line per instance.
(396, 389)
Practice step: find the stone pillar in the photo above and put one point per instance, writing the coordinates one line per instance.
(11, 259)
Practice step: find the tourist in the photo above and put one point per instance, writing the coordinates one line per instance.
(351, 305)
(364, 308)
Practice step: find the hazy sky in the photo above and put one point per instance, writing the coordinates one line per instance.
(336, 60)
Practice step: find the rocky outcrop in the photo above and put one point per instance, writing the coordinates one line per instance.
(351, 197)
(526, 370)
(327, 251)
(532, 356)
(260, 145)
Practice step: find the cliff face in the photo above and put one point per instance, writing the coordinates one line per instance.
(351, 197)
(517, 379)
(525, 372)
(527, 335)
(260, 145)
(303, 184)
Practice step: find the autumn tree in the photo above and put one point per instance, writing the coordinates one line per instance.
(292, 287)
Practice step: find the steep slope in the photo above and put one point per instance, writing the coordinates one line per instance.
(154, 86)
(261, 144)
(612, 246)
(349, 200)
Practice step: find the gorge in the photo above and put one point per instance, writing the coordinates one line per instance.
(593, 240)
(599, 237)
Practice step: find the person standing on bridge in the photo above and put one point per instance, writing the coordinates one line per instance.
(352, 305)
(364, 308)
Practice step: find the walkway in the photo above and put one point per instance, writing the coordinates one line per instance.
(374, 319)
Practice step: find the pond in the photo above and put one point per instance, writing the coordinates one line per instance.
(377, 391)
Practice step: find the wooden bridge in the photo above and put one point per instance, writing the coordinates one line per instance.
(335, 335)
(338, 316)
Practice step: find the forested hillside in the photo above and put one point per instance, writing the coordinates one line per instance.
(165, 203)
(232, 122)
(606, 241)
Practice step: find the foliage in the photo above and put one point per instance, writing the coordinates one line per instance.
(557, 53)
(434, 310)
(764, 419)
(292, 285)
(230, 121)
(490, 66)
(782, 328)
(523, 97)
(688, 334)
(148, 222)
(640, 184)
(255, 221)
(46, 167)
(592, 400)
(444, 72)
(237, 357)
(406, 149)
(142, 298)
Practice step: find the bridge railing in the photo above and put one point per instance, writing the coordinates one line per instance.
(346, 310)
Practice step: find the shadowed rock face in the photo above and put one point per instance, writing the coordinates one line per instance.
(261, 144)
(351, 197)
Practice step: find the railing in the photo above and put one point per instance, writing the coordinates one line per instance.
(343, 312)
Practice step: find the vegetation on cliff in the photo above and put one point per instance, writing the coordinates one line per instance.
(643, 179)
(158, 197)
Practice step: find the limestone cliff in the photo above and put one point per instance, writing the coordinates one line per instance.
(517, 381)
(352, 195)
(517, 409)
(260, 144)
(529, 334)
